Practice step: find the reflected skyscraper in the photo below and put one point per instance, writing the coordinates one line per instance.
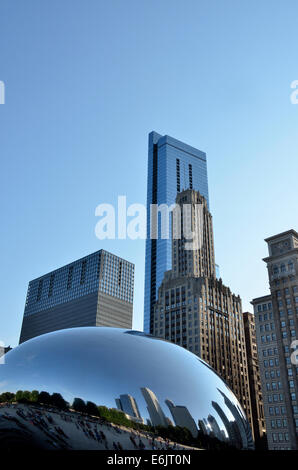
(233, 433)
(129, 405)
(182, 417)
(215, 429)
(202, 426)
(243, 427)
(172, 167)
(100, 365)
(157, 416)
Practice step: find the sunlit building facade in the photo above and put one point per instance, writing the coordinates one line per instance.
(276, 331)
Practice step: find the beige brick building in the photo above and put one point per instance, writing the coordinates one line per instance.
(276, 329)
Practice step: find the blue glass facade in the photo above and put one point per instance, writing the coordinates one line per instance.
(172, 167)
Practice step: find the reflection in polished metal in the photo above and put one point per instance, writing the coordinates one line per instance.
(153, 381)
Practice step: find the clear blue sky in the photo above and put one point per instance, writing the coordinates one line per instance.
(86, 81)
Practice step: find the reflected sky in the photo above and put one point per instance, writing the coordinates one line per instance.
(131, 371)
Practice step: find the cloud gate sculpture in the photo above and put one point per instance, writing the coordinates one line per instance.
(151, 381)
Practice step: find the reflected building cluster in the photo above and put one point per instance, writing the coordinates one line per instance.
(159, 391)
(240, 425)
(235, 430)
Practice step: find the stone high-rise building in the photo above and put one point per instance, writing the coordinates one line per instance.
(276, 329)
(254, 381)
(93, 291)
(195, 257)
(196, 310)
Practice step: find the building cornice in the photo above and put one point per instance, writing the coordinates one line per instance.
(264, 298)
(282, 234)
(281, 255)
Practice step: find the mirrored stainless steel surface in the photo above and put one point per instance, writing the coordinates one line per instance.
(153, 381)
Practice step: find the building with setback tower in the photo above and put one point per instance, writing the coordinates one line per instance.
(196, 310)
(172, 167)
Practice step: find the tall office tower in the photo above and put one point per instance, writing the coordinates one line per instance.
(276, 328)
(172, 167)
(254, 381)
(182, 417)
(197, 311)
(128, 405)
(96, 290)
(214, 427)
(157, 416)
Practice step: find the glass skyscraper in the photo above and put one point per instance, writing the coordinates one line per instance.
(173, 166)
(96, 290)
